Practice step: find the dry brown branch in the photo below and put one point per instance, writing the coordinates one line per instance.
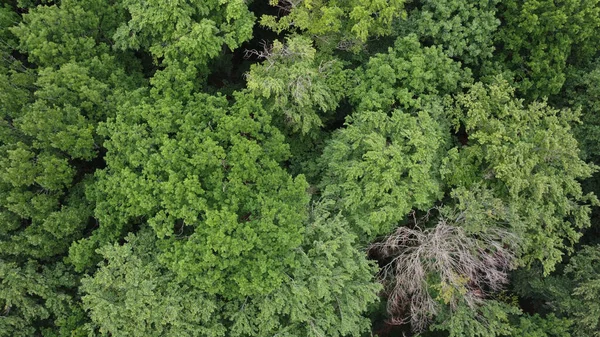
(467, 267)
(272, 53)
(289, 5)
(346, 44)
(265, 53)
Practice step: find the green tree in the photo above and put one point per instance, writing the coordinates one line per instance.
(465, 29)
(131, 294)
(381, 166)
(527, 156)
(182, 36)
(48, 148)
(490, 319)
(538, 326)
(147, 188)
(298, 83)
(207, 178)
(571, 292)
(403, 76)
(538, 38)
(337, 24)
(386, 161)
(59, 79)
(72, 31)
(584, 309)
(35, 298)
(49, 143)
(581, 92)
(325, 292)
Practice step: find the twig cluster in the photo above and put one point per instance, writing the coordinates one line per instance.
(288, 5)
(466, 267)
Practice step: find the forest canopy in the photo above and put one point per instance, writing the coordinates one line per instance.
(299, 168)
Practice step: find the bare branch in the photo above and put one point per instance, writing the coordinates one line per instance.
(289, 5)
(467, 267)
(265, 53)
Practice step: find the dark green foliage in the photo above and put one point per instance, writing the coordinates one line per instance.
(133, 295)
(465, 29)
(323, 295)
(572, 293)
(386, 161)
(8, 18)
(182, 36)
(49, 135)
(34, 295)
(537, 326)
(582, 91)
(489, 320)
(74, 31)
(50, 110)
(538, 38)
(583, 269)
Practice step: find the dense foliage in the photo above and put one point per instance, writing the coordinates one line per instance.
(299, 168)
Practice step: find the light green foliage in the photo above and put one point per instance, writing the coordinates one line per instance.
(184, 34)
(324, 293)
(464, 28)
(386, 161)
(538, 37)
(207, 179)
(383, 165)
(75, 30)
(132, 295)
(50, 114)
(297, 83)
(147, 188)
(337, 24)
(528, 157)
(404, 74)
